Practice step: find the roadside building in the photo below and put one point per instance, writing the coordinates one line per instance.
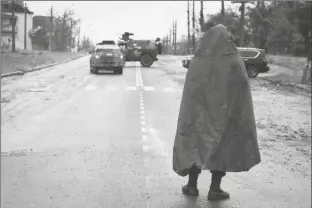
(6, 25)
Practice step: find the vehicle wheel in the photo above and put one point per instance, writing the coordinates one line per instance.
(119, 70)
(91, 70)
(146, 60)
(95, 71)
(252, 71)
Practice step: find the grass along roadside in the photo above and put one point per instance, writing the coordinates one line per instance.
(25, 61)
(286, 69)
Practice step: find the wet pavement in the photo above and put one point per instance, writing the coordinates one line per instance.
(74, 139)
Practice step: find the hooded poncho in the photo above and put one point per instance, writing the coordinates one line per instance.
(216, 127)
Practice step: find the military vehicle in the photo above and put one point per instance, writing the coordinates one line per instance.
(144, 51)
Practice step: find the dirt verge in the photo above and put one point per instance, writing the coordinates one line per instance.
(27, 60)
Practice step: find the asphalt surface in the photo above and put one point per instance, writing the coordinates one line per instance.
(74, 139)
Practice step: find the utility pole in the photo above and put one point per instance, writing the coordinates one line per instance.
(25, 27)
(71, 32)
(188, 27)
(175, 37)
(202, 16)
(242, 24)
(193, 37)
(13, 26)
(222, 11)
(167, 43)
(51, 29)
(78, 42)
(63, 28)
(170, 41)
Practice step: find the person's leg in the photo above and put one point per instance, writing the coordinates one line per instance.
(191, 187)
(215, 191)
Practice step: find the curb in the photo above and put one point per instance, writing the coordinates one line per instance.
(298, 86)
(21, 73)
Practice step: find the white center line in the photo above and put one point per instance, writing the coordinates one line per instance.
(136, 75)
(140, 77)
(144, 138)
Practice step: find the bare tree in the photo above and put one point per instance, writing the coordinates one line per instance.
(13, 25)
(202, 16)
(51, 29)
(188, 27)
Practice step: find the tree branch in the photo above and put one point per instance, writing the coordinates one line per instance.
(265, 20)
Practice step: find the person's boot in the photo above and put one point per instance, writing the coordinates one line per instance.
(191, 187)
(215, 192)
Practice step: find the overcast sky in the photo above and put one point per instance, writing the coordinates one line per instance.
(107, 19)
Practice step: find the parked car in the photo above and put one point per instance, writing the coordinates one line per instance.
(108, 57)
(254, 59)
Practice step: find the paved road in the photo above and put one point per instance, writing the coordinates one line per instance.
(73, 139)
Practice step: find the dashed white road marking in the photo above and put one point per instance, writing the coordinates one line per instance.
(143, 130)
(142, 107)
(143, 123)
(91, 87)
(128, 88)
(142, 112)
(138, 76)
(144, 138)
(142, 117)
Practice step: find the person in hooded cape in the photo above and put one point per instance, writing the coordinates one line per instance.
(216, 128)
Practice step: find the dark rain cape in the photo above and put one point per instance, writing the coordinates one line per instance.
(216, 126)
